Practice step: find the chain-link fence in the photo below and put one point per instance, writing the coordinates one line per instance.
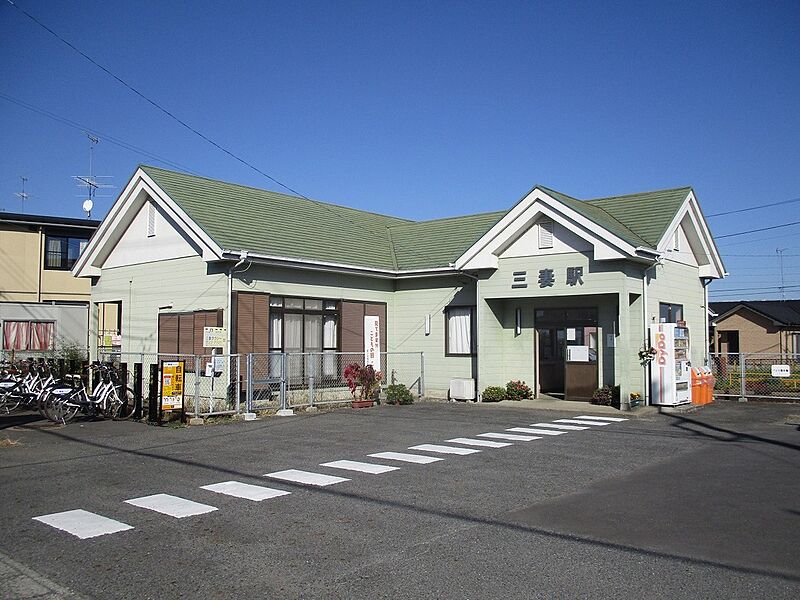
(756, 375)
(292, 380)
(212, 384)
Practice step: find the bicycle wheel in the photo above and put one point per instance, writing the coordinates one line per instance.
(59, 409)
(8, 402)
(124, 404)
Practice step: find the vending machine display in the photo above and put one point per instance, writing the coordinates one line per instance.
(671, 369)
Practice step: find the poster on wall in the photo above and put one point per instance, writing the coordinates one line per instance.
(372, 342)
(172, 385)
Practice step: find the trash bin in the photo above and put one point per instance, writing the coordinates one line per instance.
(711, 381)
(698, 393)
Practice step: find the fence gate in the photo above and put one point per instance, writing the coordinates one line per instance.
(757, 375)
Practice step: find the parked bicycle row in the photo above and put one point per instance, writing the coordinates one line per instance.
(40, 385)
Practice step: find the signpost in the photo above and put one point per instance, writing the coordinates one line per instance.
(172, 379)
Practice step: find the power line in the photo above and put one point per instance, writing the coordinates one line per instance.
(763, 288)
(106, 138)
(328, 207)
(757, 255)
(741, 210)
(719, 237)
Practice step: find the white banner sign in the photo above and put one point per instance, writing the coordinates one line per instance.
(372, 342)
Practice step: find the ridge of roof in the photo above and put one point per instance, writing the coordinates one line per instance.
(263, 190)
(785, 311)
(688, 188)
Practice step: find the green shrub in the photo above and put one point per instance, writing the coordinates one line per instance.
(494, 393)
(518, 390)
(398, 393)
(603, 396)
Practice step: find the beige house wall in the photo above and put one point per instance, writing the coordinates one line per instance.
(23, 277)
(756, 333)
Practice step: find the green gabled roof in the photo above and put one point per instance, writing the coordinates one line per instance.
(599, 215)
(238, 217)
(648, 214)
(428, 244)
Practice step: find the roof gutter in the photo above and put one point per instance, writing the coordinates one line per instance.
(313, 265)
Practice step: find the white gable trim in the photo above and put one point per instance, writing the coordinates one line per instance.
(607, 246)
(124, 210)
(714, 269)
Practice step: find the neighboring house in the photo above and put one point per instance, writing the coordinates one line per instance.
(756, 326)
(489, 297)
(42, 305)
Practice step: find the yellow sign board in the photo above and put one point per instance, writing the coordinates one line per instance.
(172, 385)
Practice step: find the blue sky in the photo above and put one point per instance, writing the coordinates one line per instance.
(422, 109)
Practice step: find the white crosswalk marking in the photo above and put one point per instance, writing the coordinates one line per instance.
(361, 467)
(306, 477)
(404, 457)
(556, 426)
(510, 436)
(82, 523)
(174, 506)
(611, 419)
(247, 491)
(581, 422)
(486, 443)
(444, 449)
(537, 431)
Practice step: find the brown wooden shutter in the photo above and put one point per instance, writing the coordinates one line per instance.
(377, 310)
(167, 334)
(261, 323)
(251, 322)
(186, 334)
(352, 327)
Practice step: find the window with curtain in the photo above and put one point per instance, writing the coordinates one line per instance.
(28, 335)
(304, 325)
(460, 326)
(61, 252)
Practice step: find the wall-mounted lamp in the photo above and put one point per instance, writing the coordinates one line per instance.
(518, 321)
(427, 324)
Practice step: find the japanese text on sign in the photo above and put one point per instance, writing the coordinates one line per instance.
(171, 385)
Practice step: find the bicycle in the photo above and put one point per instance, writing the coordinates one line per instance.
(110, 399)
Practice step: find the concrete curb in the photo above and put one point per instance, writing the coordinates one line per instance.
(18, 581)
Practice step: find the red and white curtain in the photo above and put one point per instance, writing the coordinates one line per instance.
(26, 335)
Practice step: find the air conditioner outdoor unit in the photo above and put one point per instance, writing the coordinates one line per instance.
(462, 389)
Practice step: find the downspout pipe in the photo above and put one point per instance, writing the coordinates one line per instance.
(645, 323)
(242, 260)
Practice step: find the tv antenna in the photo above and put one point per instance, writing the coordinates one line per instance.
(90, 181)
(780, 252)
(23, 195)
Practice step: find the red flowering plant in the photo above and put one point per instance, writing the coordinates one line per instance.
(362, 380)
(518, 390)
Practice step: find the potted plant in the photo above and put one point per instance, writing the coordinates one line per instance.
(518, 390)
(363, 382)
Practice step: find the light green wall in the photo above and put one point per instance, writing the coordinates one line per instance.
(182, 282)
(679, 284)
(413, 300)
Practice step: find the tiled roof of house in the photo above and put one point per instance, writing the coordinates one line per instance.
(238, 217)
(784, 312)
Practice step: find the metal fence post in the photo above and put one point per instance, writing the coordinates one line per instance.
(283, 381)
(196, 386)
(742, 380)
(421, 374)
(311, 361)
(250, 382)
(238, 381)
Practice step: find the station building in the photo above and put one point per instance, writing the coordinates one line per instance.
(555, 291)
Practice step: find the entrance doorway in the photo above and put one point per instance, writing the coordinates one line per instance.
(567, 352)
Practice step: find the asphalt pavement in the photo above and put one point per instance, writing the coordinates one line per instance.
(700, 504)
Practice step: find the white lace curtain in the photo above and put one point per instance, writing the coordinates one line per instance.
(459, 330)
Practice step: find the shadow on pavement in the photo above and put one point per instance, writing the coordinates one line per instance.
(466, 519)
